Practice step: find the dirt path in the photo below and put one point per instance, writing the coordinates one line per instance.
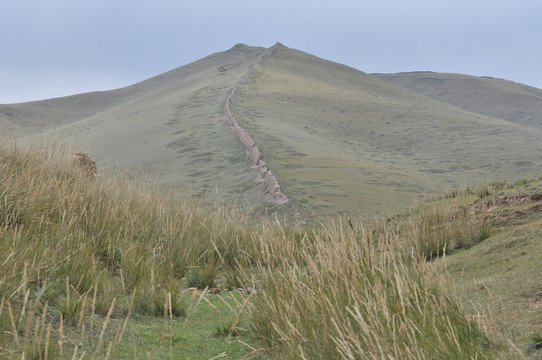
(272, 187)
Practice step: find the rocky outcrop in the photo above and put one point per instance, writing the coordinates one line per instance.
(86, 164)
(272, 187)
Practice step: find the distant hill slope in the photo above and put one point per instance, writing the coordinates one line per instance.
(344, 142)
(37, 116)
(341, 142)
(170, 128)
(497, 98)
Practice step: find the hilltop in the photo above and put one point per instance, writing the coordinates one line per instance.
(169, 129)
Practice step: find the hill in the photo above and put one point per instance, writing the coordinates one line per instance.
(339, 141)
(501, 99)
(343, 142)
(169, 129)
(109, 268)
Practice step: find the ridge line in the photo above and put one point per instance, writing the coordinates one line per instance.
(271, 185)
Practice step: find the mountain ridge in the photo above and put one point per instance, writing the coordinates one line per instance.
(90, 103)
(338, 140)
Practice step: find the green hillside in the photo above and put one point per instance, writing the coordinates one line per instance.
(501, 99)
(339, 141)
(344, 142)
(110, 268)
(493, 239)
(169, 129)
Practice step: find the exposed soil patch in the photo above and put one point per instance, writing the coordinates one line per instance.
(501, 209)
(495, 203)
(499, 202)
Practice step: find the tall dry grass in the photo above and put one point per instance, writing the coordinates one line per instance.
(437, 225)
(73, 247)
(71, 243)
(350, 295)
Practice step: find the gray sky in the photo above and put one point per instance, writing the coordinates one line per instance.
(61, 47)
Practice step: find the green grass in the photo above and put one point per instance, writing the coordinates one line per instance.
(101, 268)
(481, 95)
(494, 268)
(536, 342)
(196, 339)
(74, 248)
(342, 142)
(352, 296)
(143, 336)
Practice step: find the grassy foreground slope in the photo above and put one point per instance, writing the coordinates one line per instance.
(100, 268)
(170, 128)
(344, 142)
(503, 271)
(493, 238)
(501, 99)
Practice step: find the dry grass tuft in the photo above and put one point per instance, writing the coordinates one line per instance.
(87, 165)
(347, 294)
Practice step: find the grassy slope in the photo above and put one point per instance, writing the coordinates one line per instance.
(492, 234)
(170, 128)
(339, 140)
(503, 271)
(74, 251)
(342, 141)
(201, 338)
(497, 98)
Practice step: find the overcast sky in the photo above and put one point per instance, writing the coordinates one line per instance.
(51, 48)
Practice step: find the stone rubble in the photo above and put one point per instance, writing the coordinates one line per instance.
(271, 184)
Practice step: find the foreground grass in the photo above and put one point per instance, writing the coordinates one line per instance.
(100, 268)
(502, 271)
(74, 247)
(198, 336)
(352, 296)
